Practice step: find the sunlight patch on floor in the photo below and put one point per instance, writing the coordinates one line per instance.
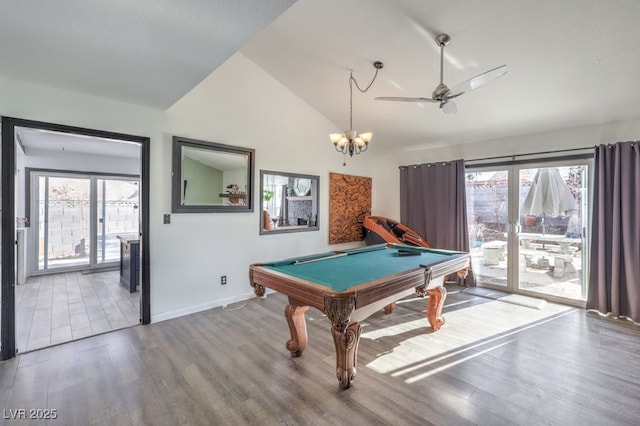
(440, 368)
(412, 346)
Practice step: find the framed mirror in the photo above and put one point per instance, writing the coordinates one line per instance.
(210, 177)
(289, 202)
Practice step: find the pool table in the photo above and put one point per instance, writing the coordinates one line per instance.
(350, 285)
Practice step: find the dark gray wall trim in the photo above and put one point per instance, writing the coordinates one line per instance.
(7, 310)
(145, 279)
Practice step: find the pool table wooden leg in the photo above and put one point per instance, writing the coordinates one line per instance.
(258, 289)
(297, 327)
(434, 307)
(346, 353)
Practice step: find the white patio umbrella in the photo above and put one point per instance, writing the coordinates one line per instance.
(549, 195)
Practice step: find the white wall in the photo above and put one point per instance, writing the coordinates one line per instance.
(388, 178)
(82, 162)
(19, 190)
(239, 104)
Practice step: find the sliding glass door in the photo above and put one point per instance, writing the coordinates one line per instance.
(552, 225)
(529, 226)
(79, 217)
(488, 222)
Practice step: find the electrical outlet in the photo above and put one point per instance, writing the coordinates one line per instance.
(167, 218)
(223, 280)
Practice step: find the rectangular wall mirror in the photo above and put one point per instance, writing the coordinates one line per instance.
(289, 202)
(210, 177)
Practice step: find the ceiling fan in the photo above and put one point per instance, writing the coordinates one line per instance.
(442, 94)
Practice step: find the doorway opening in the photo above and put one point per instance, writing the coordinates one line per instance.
(80, 198)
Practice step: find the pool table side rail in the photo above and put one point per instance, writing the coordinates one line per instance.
(302, 291)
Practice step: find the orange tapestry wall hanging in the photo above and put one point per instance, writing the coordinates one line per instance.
(349, 203)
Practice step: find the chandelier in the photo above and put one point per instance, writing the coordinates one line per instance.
(349, 141)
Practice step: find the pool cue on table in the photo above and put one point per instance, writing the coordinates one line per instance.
(300, 262)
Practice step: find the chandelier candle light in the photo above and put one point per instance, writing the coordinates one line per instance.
(349, 141)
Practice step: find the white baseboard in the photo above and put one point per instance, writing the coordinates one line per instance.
(201, 307)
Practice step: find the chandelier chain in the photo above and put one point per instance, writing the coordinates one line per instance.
(351, 81)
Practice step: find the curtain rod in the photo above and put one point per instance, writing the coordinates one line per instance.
(513, 156)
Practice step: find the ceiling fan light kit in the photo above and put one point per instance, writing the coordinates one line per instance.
(442, 94)
(349, 141)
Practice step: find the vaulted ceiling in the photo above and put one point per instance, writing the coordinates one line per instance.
(570, 63)
(145, 52)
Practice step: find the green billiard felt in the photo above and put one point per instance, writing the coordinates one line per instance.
(358, 266)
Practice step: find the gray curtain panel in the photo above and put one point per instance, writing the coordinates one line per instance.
(433, 203)
(614, 281)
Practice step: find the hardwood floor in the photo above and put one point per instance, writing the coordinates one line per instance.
(492, 363)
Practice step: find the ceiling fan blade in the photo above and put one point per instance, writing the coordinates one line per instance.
(404, 99)
(477, 81)
(448, 108)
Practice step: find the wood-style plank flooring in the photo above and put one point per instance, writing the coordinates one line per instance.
(492, 363)
(56, 308)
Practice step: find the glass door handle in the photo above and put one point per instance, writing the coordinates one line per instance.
(515, 227)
